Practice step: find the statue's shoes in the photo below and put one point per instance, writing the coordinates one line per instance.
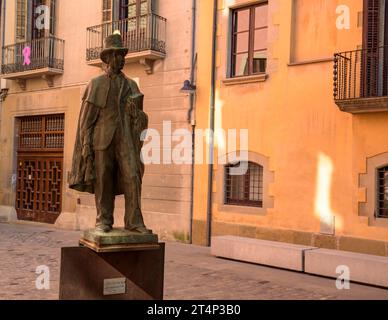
(142, 230)
(104, 228)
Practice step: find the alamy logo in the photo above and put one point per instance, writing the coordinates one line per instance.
(343, 19)
(175, 147)
(343, 281)
(43, 20)
(42, 282)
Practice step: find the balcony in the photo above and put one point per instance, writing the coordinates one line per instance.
(361, 80)
(42, 57)
(144, 36)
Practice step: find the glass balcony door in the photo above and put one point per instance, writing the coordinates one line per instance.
(37, 29)
(33, 31)
(134, 18)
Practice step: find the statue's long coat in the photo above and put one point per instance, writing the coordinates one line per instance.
(133, 119)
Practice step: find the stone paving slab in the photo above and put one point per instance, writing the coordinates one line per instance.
(191, 272)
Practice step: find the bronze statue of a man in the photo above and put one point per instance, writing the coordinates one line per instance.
(106, 160)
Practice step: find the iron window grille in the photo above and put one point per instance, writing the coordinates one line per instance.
(244, 190)
(382, 193)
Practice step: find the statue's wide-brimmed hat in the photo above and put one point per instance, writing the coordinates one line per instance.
(112, 43)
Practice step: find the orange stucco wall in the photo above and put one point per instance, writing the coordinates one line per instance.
(292, 119)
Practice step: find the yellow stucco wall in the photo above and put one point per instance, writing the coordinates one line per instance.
(292, 119)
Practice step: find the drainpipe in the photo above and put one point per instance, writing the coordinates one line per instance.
(3, 21)
(3, 91)
(190, 113)
(212, 126)
(3, 27)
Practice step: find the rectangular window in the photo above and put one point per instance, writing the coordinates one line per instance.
(375, 18)
(106, 11)
(382, 198)
(53, 20)
(27, 13)
(37, 33)
(21, 20)
(121, 10)
(244, 190)
(124, 9)
(134, 8)
(41, 132)
(130, 9)
(249, 40)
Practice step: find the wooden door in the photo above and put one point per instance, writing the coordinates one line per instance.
(40, 168)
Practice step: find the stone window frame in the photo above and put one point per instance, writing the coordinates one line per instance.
(268, 179)
(368, 182)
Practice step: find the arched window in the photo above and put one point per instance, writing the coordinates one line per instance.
(246, 189)
(382, 192)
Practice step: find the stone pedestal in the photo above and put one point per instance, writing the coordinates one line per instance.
(112, 272)
(116, 239)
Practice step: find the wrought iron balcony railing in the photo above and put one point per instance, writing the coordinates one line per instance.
(24, 57)
(142, 33)
(361, 79)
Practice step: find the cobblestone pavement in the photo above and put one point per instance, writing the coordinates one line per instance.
(191, 272)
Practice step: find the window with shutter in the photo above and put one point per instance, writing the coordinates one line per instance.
(107, 11)
(375, 57)
(27, 13)
(21, 20)
(371, 23)
(53, 20)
